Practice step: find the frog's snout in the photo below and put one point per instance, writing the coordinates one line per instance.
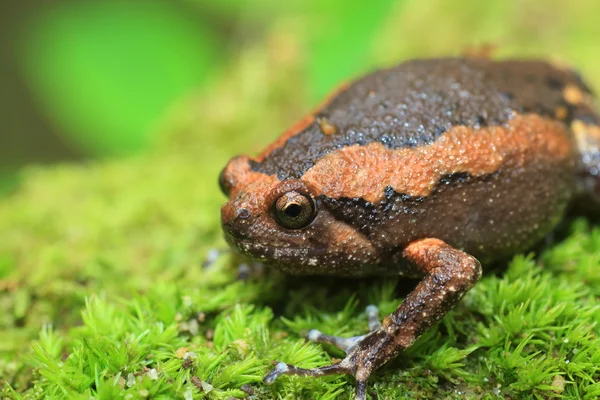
(235, 221)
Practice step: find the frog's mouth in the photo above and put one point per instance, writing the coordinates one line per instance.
(277, 254)
(300, 260)
(295, 260)
(263, 252)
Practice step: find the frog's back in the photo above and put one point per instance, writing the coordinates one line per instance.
(485, 155)
(415, 103)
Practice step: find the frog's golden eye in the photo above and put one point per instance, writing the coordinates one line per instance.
(294, 210)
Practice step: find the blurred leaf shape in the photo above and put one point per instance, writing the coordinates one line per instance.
(105, 72)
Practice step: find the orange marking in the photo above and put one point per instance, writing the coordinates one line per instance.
(301, 125)
(424, 253)
(327, 127)
(365, 171)
(239, 177)
(572, 94)
(337, 91)
(293, 131)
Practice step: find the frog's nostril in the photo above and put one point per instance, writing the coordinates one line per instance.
(234, 221)
(243, 213)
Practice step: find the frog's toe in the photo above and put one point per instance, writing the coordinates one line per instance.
(361, 356)
(346, 366)
(285, 369)
(342, 343)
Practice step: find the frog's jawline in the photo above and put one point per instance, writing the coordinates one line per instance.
(273, 254)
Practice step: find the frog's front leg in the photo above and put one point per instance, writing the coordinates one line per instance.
(449, 274)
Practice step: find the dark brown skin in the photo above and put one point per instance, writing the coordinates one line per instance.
(420, 170)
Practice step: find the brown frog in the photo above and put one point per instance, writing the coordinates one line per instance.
(422, 170)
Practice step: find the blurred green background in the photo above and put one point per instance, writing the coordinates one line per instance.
(96, 78)
(85, 79)
(117, 117)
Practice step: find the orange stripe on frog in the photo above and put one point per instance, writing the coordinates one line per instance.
(301, 125)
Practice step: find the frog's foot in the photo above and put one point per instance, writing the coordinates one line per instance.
(449, 274)
(343, 343)
(358, 361)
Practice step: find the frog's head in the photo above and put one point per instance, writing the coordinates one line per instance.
(285, 223)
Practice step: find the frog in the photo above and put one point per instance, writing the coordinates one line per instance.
(425, 170)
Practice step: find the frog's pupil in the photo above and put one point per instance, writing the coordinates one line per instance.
(293, 210)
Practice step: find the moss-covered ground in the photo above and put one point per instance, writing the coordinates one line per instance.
(105, 291)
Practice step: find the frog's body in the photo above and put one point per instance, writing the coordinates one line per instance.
(415, 171)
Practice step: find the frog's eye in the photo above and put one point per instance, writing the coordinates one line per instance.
(294, 210)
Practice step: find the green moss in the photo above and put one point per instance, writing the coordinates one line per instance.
(103, 291)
